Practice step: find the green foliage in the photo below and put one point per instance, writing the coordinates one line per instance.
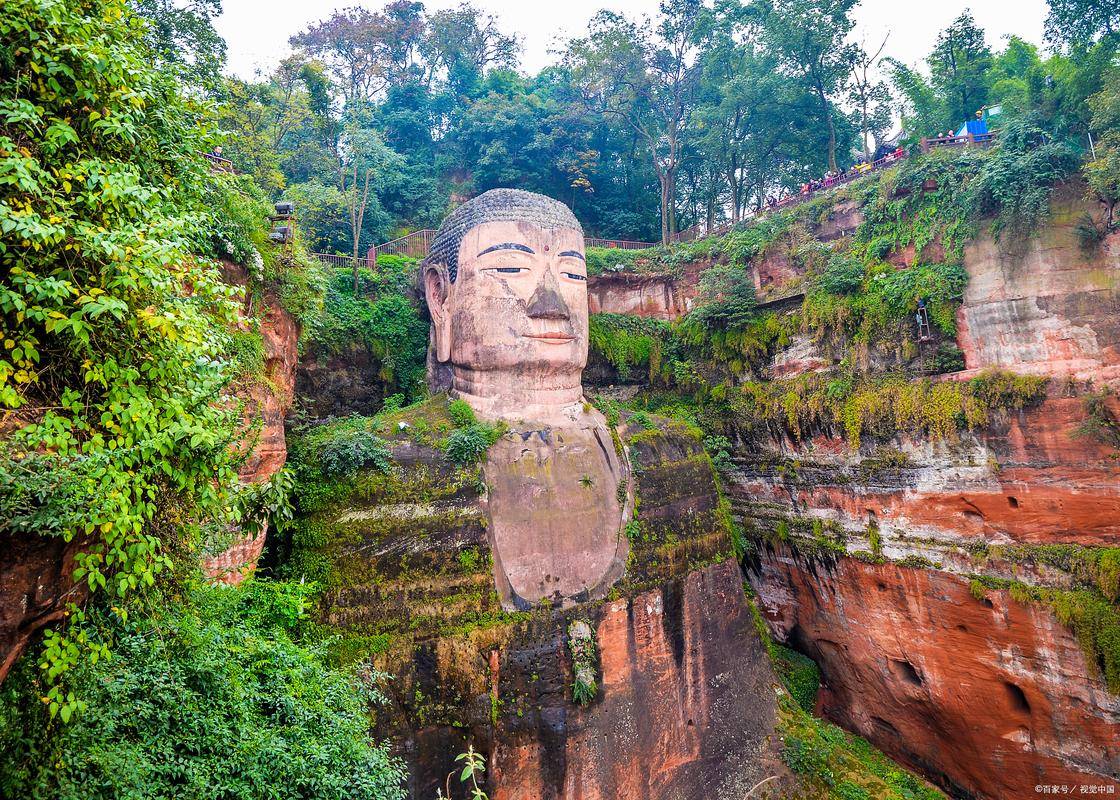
(349, 449)
(1016, 180)
(225, 690)
(627, 342)
(468, 445)
(474, 767)
(879, 408)
(843, 275)
(581, 647)
(1100, 424)
(460, 412)
(115, 353)
(746, 244)
(726, 300)
(799, 674)
(602, 260)
(384, 319)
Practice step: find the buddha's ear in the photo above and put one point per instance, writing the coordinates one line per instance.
(437, 293)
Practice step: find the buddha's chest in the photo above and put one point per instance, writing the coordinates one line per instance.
(556, 513)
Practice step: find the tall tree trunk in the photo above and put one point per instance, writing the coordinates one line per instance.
(827, 107)
(665, 200)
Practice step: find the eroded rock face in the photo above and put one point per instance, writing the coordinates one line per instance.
(684, 705)
(988, 697)
(657, 296)
(685, 708)
(1048, 309)
(36, 584)
(267, 402)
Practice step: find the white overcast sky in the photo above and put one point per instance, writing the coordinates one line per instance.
(257, 31)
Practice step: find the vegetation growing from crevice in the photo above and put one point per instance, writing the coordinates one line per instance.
(1094, 620)
(1100, 424)
(878, 408)
(628, 342)
(385, 318)
(1095, 567)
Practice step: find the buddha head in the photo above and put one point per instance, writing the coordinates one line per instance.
(506, 286)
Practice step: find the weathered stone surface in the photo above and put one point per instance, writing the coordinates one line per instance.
(988, 697)
(1029, 479)
(1051, 310)
(267, 399)
(664, 297)
(685, 712)
(684, 682)
(36, 585)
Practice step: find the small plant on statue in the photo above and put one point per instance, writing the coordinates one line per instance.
(474, 765)
(581, 644)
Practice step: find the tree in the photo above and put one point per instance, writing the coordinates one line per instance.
(808, 36)
(1103, 172)
(462, 44)
(182, 36)
(646, 78)
(1080, 23)
(870, 96)
(223, 693)
(362, 155)
(355, 46)
(958, 65)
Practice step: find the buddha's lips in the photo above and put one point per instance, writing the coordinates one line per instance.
(552, 337)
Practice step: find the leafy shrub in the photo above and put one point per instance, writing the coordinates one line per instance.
(726, 300)
(384, 318)
(744, 245)
(460, 412)
(224, 694)
(843, 275)
(1100, 424)
(1014, 184)
(468, 445)
(115, 329)
(627, 342)
(948, 358)
(352, 449)
(613, 259)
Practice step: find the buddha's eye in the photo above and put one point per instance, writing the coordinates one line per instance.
(507, 270)
(575, 276)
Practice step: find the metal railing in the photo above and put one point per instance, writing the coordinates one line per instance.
(333, 260)
(619, 244)
(219, 164)
(414, 245)
(968, 140)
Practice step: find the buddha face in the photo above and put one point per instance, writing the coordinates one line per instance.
(518, 304)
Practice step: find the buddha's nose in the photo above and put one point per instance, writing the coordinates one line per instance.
(546, 302)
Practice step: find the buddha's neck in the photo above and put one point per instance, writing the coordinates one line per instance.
(530, 397)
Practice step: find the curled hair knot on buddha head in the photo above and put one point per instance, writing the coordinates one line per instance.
(496, 205)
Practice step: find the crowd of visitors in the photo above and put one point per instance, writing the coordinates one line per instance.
(831, 179)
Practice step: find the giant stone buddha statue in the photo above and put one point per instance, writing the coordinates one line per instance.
(506, 286)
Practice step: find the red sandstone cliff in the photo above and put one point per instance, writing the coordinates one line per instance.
(988, 696)
(267, 399)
